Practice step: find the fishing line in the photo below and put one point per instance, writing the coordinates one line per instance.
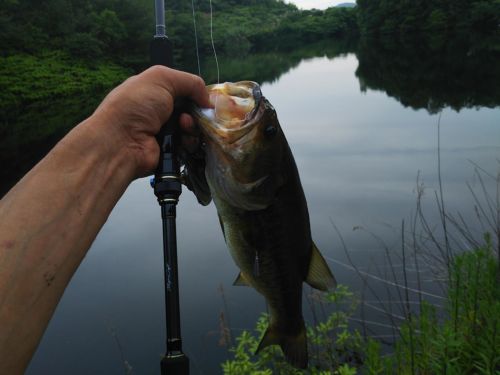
(212, 40)
(196, 38)
(388, 282)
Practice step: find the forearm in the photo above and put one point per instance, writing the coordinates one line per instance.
(50, 218)
(47, 223)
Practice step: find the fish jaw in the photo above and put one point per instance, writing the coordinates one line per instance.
(235, 110)
(242, 156)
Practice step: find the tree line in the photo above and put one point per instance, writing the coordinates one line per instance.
(86, 29)
(120, 30)
(427, 16)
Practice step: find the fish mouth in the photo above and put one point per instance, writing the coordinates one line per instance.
(236, 108)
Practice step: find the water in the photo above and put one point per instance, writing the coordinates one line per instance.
(359, 152)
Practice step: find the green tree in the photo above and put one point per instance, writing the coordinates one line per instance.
(109, 29)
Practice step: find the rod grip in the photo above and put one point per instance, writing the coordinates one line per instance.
(161, 51)
(175, 364)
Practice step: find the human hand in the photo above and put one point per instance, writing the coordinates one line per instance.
(134, 112)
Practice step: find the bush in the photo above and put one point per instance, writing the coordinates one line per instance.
(465, 341)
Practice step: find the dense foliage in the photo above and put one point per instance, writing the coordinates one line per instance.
(40, 79)
(85, 29)
(266, 25)
(435, 16)
(121, 30)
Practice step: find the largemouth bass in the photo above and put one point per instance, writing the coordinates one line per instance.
(250, 173)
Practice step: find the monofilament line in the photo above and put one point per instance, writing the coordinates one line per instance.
(196, 38)
(212, 39)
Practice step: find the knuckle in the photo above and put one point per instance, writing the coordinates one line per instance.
(157, 69)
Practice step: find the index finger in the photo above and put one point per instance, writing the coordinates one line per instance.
(182, 84)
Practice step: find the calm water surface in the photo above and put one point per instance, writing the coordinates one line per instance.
(358, 153)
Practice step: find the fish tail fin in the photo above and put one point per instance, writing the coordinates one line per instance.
(319, 275)
(294, 347)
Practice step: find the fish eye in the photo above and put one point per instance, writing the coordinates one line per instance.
(270, 130)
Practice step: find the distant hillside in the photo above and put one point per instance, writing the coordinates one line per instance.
(346, 5)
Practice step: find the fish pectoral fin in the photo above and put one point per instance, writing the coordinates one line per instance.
(319, 275)
(193, 176)
(241, 280)
(294, 347)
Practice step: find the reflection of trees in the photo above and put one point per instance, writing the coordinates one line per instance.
(432, 74)
(268, 67)
(28, 134)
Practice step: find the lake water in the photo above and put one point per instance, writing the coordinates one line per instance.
(359, 152)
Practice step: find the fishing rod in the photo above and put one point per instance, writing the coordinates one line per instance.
(167, 188)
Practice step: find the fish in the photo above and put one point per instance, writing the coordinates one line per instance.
(248, 170)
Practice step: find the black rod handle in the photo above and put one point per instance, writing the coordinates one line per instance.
(167, 188)
(161, 51)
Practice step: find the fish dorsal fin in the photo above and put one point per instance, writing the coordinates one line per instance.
(294, 346)
(241, 280)
(319, 275)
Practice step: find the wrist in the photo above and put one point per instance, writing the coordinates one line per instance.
(130, 137)
(99, 138)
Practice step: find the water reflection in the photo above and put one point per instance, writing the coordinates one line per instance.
(266, 67)
(30, 132)
(452, 74)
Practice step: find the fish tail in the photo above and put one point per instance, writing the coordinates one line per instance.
(294, 347)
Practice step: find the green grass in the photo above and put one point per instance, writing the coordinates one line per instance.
(467, 340)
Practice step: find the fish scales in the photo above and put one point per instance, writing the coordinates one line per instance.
(252, 177)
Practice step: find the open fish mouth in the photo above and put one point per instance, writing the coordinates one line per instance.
(235, 108)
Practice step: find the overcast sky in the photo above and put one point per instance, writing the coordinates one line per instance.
(318, 4)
